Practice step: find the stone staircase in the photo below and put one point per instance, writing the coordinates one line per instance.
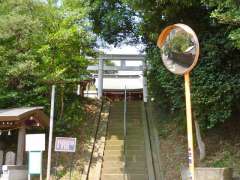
(114, 165)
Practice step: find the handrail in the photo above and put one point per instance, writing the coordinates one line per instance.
(150, 140)
(95, 138)
(125, 112)
(125, 132)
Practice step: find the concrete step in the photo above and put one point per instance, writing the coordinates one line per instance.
(114, 147)
(135, 129)
(119, 109)
(129, 147)
(115, 105)
(130, 132)
(121, 177)
(129, 137)
(129, 164)
(113, 161)
(132, 158)
(128, 121)
(133, 114)
(134, 142)
(114, 143)
(136, 134)
(115, 137)
(112, 177)
(134, 119)
(115, 127)
(113, 158)
(119, 133)
(135, 147)
(120, 153)
(113, 170)
(128, 143)
(113, 164)
(128, 124)
(119, 170)
(117, 114)
(116, 118)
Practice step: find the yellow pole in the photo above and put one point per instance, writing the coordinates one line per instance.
(189, 126)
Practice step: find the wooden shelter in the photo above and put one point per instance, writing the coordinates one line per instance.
(20, 119)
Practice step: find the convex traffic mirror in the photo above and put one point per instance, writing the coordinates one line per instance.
(179, 48)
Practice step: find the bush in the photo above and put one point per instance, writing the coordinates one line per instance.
(215, 81)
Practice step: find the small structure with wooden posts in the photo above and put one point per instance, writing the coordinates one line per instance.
(18, 119)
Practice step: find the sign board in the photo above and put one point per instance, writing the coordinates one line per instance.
(35, 162)
(35, 142)
(65, 144)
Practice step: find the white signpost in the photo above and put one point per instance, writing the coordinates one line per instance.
(35, 161)
(35, 142)
(35, 145)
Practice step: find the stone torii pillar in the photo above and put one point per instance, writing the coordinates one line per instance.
(123, 63)
(100, 78)
(145, 90)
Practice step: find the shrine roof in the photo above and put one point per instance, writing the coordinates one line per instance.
(17, 117)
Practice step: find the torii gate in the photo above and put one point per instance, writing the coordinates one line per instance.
(122, 58)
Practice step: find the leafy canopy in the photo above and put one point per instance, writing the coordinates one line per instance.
(41, 41)
(215, 81)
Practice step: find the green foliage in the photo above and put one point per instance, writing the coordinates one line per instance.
(227, 12)
(72, 116)
(49, 40)
(113, 20)
(41, 41)
(178, 43)
(164, 86)
(215, 81)
(224, 161)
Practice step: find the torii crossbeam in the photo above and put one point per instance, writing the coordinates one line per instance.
(123, 67)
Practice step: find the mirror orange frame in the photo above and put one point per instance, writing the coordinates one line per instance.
(164, 34)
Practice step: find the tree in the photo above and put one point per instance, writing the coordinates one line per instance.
(113, 20)
(41, 41)
(215, 79)
(20, 37)
(227, 12)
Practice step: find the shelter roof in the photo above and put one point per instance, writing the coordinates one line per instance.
(24, 116)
